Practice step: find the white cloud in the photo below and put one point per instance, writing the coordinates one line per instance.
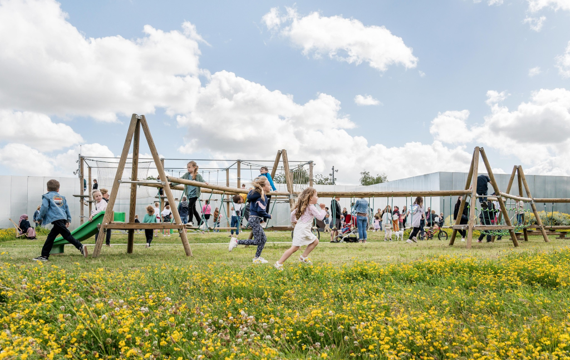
(341, 39)
(535, 23)
(25, 160)
(495, 97)
(563, 63)
(422, 74)
(48, 66)
(534, 71)
(36, 130)
(490, 2)
(537, 132)
(365, 100)
(536, 5)
(235, 118)
(450, 127)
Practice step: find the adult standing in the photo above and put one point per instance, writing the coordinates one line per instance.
(464, 216)
(335, 218)
(361, 210)
(404, 217)
(482, 187)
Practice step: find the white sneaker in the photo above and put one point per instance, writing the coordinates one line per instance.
(233, 244)
(415, 239)
(259, 260)
(305, 260)
(409, 241)
(462, 239)
(278, 266)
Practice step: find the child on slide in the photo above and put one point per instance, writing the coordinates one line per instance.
(258, 212)
(302, 216)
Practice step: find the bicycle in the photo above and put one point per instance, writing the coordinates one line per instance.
(430, 233)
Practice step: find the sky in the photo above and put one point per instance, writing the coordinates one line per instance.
(400, 88)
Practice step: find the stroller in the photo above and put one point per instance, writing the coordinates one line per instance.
(348, 234)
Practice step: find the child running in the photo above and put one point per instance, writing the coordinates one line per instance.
(417, 215)
(258, 212)
(54, 210)
(302, 216)
(149, 218)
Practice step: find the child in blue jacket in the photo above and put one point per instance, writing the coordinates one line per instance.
(257, 213)
(54, 210)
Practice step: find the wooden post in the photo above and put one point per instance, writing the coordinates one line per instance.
(463, 200)
(499, 198)
(473, 196)
(167, 191)
(90, 187)
(239, 173)
(310, 173)
(525, 232)
(81, 190)
(288, 179)
(115, 189)
(509, 186)
(275, 164)
(533, 206)
(134, 177)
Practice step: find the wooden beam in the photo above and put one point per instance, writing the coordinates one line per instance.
(222, 189)
(81, 190)
(484, 227)
(551, 200)
(134, 177)
(517, 198)
(507, 193)
(463, 200)
(288, 179)
(275, 164)
(142, 226)
(167, 191)
(532, 205)
(498, 191)
(115, 189)
(473, 196)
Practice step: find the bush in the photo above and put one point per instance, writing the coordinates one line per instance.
(550, 218)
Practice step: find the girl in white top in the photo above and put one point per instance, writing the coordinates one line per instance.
(387, 223)
(302, 216)
(100, 204)
(157, 214)
(166, 216)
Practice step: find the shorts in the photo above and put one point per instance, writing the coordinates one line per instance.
(337, 225)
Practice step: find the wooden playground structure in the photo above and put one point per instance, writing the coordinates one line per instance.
(139, 122)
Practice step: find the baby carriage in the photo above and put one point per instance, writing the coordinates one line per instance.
(348, 234)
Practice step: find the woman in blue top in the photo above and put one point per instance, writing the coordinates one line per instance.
(361, 209)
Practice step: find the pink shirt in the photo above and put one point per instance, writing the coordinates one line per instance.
(206, 209)
(310, 212)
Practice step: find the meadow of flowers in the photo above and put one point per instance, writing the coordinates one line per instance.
(515, 306)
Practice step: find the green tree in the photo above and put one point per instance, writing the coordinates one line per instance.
(320, 179)
(300, 176)
(367, 179)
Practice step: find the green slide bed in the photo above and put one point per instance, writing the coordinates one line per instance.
(85, 231)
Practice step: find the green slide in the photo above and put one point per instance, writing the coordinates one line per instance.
(85, 231)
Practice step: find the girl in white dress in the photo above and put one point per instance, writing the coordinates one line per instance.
(302, 216)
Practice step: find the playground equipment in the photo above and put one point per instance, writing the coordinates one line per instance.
(85, 231)
(293, 186)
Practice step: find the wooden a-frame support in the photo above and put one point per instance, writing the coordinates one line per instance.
(134, 133)
(471, 183)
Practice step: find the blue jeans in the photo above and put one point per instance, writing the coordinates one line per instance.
(362, 223)
(184, 219)
(235, 223)
(520, 219)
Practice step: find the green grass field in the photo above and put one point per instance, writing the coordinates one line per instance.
(386, 300)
